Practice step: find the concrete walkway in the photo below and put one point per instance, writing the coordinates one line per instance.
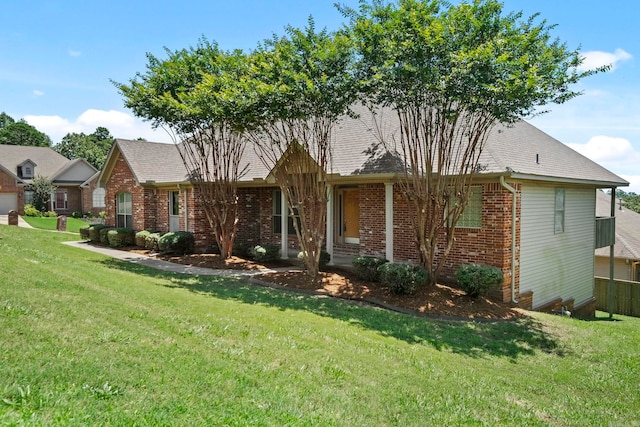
(166, 265)
(4, 219)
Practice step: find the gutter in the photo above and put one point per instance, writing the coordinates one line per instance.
(513, 192)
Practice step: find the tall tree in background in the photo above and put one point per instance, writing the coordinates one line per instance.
(5, 120)
(192, 93)
(303, 85)
(93, 147)
(22, 133)
(450, 72)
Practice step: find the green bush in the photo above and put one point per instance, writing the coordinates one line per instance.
(121, 237)
(50, 214)
(176, 242)
(402, 279)
(478, 279)
(366, 267)
(104, 236)
(84, 232)
(140, 239)
(30, 210)
(76, 215)
(94, 232)
(241, 249)
(265, 253)
(151, 242)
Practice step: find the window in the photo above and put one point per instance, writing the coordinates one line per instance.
(471, 217)
(277, 215)
(174, 203)
(98, 198)
(124, 210)
(60, 200)
(558, 226)
(27, 172)
(28, 197)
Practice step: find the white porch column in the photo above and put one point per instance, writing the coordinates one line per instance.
(284, 227)
(388, 216)
(330, 226)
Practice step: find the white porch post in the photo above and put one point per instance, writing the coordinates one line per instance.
(284, 227)
(388, 215)
(330, 227)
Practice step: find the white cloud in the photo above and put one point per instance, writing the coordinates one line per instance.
(634, 183)
(607, 149)
(595, 58)
(37, 92)
(119, 123)
(74, 52)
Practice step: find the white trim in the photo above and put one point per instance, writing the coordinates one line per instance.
(330, 224)
(388, 220)
(284, 226)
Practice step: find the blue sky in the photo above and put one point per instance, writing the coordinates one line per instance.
(57, 59)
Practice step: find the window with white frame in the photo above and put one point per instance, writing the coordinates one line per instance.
(98, 197)
(277, 215)
(28, 197)
(558, 226)
(124, 210)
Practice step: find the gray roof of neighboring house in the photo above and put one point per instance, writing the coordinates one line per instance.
(48, 162)
(627, 229)
(521, 151)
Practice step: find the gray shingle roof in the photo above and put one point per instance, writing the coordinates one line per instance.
(521, 150)
(627, 228)
(48, 162)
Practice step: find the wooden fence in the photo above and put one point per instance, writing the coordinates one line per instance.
(626, 296)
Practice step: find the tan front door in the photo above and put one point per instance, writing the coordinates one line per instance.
(351, 216)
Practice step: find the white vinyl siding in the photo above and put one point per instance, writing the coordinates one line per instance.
(557, 265)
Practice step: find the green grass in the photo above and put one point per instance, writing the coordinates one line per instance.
(88, 340)
(50, 223)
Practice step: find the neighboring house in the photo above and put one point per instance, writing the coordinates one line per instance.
(74, 180)
(626, 255)
(545, 251)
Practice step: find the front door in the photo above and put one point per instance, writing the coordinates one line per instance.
(174, 211)
(351, 215)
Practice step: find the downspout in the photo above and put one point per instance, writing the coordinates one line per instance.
(513, 237)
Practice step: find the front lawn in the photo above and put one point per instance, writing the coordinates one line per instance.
(88, 340)
(50, 223)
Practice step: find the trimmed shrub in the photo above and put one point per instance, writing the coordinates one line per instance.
(120, 237)
(76, 215)
(30, 210)
(402, 279)
(104, 236)
(50, 214)
(176, 242)
(94, 232)
(265, 253)
(240, 249)
(84, 232)
(366, 267)
(151, 242)
(140, 238)
(478, 279)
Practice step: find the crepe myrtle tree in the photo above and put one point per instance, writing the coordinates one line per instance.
(449, 73)
(192, 93)
(303, 84)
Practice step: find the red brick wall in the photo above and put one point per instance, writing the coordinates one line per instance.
(490, 244)
(122, 180)
(8, 185)
(372, 220)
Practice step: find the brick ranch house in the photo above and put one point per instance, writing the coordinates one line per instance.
(531, 213)
(74, 180)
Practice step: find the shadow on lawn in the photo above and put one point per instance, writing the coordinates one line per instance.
(472, 338)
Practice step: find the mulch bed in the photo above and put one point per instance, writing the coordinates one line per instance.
(439, 300)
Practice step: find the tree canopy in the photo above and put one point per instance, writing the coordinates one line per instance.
(93, 147)
(21, 133)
